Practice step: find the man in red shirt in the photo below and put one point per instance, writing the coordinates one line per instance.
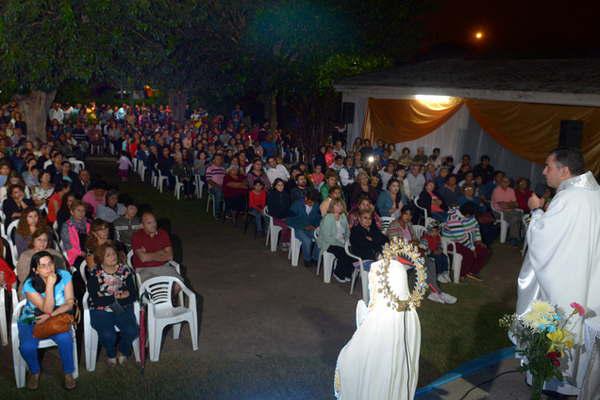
(152, 250)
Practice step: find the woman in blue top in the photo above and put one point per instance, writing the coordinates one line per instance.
(49, 292)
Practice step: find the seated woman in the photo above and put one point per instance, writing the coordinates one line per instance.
(366, 240)
(333, 233)
(235, 191)
(15, 203)
(29, 222)
(278, 202)
(98, 235)
(112, 293)
(111, 209)
(402, 228)
(49, 292)
(334, 192)
(42, 192)
(331, 181)
(434, 204)
(73, 234)
(389, 202)
(523, 193)
(64, 212)
(489, 231)
(183, 171)
(462, 228)
(362, 187)
(364, 204)
(56, 200)
(39, 242)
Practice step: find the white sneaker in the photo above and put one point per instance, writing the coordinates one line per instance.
(436, 297)
(448, 299)
(443, 278)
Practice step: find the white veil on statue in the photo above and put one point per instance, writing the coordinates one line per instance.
(381, 361)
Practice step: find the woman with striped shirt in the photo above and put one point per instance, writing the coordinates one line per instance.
(463, 229)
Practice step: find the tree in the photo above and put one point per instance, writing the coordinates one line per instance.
(46, 43)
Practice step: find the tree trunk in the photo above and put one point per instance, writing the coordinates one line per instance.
(273, 111)
(177, 101)
(34, 107)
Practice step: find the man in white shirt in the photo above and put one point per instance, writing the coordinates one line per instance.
(416, 180)
(275, 171)
(339, 150)
(56, 113)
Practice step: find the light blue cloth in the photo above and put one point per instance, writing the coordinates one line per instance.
(59, 294)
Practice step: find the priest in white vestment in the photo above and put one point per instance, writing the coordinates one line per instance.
(381, 361)
(562, 264)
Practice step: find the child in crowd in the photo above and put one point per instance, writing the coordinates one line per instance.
(317, 176)
(257, 202)
(431, 244)
(125, 165)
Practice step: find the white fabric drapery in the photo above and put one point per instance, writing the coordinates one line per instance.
(461, 134)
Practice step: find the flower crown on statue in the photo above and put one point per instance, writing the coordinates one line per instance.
(399, 248)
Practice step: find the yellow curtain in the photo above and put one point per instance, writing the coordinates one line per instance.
(396, 121)
(531, 130)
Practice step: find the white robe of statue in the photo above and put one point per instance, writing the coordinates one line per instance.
(381, 361)
(562, 265)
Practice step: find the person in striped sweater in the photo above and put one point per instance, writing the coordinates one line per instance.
(463, 229)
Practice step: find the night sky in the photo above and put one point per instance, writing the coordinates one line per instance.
(524, 28)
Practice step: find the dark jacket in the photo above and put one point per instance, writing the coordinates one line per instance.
(298, 218)
(278, 203)
(363, 247)
(425, 201)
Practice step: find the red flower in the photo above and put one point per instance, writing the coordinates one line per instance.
(579, 308)
(554, 357)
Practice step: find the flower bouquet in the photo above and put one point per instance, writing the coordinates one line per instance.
(542, 337)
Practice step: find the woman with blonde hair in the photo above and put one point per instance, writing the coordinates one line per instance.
(333, 234)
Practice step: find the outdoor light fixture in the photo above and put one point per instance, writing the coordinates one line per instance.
(371, 159)
(427, 98)
(478, 35)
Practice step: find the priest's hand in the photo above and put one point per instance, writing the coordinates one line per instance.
(535, 202)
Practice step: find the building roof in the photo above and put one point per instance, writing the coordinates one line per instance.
(559, 81)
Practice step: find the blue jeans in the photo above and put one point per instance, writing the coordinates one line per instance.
(104, 323)
(258, 218)
(29, 348)
(441, 263)
(310, 250)
(218, 193)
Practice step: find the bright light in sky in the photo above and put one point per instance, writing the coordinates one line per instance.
(478, 35)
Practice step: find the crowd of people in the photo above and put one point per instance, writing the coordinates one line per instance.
(359, 194)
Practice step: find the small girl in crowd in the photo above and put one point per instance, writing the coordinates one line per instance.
(317, 176)
(431, 244)
(124, 165)
(257, 203)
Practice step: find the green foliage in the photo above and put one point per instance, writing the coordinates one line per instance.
(343, 65)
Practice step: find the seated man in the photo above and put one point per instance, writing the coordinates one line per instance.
(305, 218)
(127, 224)
(152, 250)
(504, 199)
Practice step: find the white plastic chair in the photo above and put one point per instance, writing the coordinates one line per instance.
(78, 165)
(503, 224)
(47, 163)
(329, 261)
(11, 242)
(162, 312)
(3, 321)
(449, 248)
(385, 223)
(198, 186)
(272, 232)
(419, 231)
(160, 180)
(19, 363)
(364, 275)
(90, 335)
(294, 250)
(178, 188)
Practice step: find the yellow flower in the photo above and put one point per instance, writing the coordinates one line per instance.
(541, 314)
(557, 336)
(560, 339)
